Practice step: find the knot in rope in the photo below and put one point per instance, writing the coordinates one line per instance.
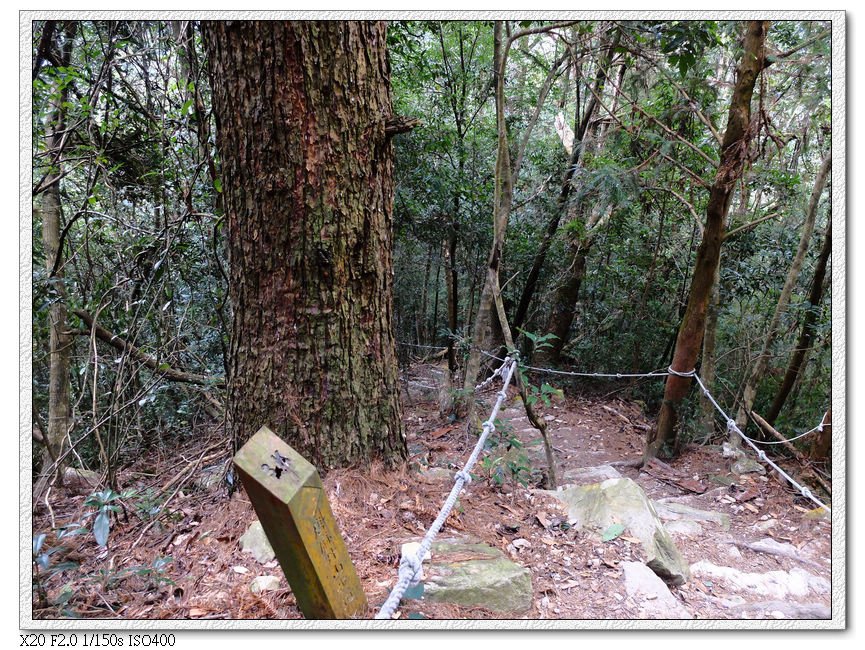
(761, 455)
(411, 562)
(806, 493)
(690, 373)
(489, 425)
(465, 476)
(731, 425)
(503, 394)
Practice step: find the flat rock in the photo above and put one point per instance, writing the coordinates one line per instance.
(255, 541)
(621, 501)
(436, 475)
(673, 511)
(684, 528)
(587, 475)
(787, 610)
(264, 583)
(650, 593)
(472, 574)
(777, 585)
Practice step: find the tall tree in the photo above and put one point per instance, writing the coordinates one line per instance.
(49, 206)
(761, 364)
(806, 335)
(733, 153)
(303, 128)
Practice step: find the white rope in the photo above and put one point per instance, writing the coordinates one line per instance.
(424, 347)
(617, 375)
(733, 427)
(410, 563)
(693, 374)
(819, 428)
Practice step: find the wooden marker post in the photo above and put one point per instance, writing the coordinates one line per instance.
(288, 497)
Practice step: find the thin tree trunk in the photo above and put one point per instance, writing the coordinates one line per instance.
(564, 193)
(806, 336)
(451, 284)
(762, 362)
(421, 316)
(308, 184)
(565, 300)
(707, 367)
(51, 212)
(733, 153)
(502, 201)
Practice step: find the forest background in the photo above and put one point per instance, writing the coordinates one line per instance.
(604, 322)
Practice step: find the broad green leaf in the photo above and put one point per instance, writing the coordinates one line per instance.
(612, 532)
(101, 527)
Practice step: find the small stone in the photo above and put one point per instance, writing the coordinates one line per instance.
(745, 465)
(264, 583)
(766, 525)
(437, 475)
(254, 541)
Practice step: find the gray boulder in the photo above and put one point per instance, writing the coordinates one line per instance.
(650, 593)
(472, 574)
(621, 501)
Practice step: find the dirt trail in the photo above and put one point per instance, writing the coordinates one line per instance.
(574, 575)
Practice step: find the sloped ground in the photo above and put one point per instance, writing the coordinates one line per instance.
(574, 574)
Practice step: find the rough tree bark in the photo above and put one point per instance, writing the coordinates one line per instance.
(303, 125)
(761, 364)
(733, 152)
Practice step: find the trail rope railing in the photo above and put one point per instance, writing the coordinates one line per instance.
(819, 428)
(733, 427)
(410, 565)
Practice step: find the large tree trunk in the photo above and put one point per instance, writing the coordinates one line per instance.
(733, 153)
(302, 114)
(762, 362)
(806, 336)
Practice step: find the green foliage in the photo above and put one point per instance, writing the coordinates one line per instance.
(105, 502)
(144, 229)
(612, 532)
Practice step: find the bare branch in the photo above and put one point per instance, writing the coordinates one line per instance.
(151, 362)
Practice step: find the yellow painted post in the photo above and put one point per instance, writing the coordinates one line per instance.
(288, 497)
